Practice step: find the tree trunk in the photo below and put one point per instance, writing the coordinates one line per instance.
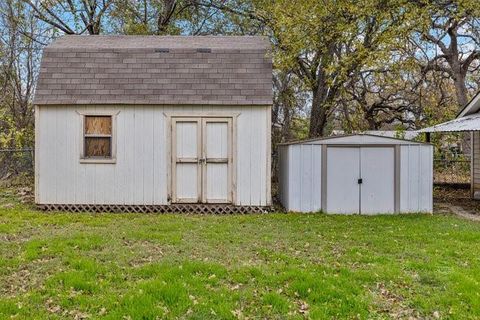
(318, 114)
(287, 119)
(460, 89)
(372, 124)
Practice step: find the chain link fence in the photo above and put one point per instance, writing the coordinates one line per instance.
(20, 162)
(451, 171)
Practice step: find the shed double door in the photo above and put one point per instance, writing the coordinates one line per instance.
(360, 180)
(202, 160)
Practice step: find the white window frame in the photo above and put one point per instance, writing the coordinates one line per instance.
(113, 141)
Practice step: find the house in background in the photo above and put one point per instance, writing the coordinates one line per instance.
(468, 120)
(149, 123)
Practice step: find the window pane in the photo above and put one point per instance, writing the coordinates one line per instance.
(97, 147)
(98, 125)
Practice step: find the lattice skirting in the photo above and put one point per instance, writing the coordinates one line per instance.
(173, 208)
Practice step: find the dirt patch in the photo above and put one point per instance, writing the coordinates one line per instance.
(392, 304)
(26, 277)
(457, 210)
(456, 196)
(395, 306)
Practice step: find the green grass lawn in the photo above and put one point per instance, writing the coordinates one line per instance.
(139, 266)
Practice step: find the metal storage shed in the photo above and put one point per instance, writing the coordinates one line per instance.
(356, 174)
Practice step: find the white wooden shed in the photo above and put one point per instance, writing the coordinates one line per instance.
(154, 124)
(356, 174)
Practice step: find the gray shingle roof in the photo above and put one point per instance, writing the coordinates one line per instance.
(156, 70)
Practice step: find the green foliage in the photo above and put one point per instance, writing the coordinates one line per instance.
(327, 43)
(12, 136)
(299, 128)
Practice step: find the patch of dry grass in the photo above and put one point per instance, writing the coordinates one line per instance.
(134, 266)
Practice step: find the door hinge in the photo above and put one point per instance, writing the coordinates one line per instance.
(360, 181)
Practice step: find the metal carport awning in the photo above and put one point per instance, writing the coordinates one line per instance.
(466, 123)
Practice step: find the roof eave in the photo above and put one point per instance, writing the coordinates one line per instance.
(472, 104)
(463, 124)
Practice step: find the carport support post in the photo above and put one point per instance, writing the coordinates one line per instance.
(427, 137)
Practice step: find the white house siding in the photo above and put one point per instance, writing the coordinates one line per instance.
(416, 178)
(140, 174)
(475, 176)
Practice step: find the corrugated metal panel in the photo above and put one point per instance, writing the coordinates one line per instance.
(416, 179)
(354, 139)
(467, 123)
(407, 135)
(301, 176)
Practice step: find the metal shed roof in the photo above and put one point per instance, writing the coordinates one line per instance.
(467, 123)
(355, 139)
(202, 70)
(471, 107)
(467, 120)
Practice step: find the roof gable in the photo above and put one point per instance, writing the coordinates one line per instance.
(473, 106)
(99, 42)
(156, 70)
(356, 139)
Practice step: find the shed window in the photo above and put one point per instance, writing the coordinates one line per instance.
(98, 137)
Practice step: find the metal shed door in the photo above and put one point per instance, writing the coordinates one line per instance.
(202, 160)
(343, 172)
(360, 180)
(377, 194)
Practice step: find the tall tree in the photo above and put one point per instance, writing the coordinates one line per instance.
(19, 66)
(374, 99)
(72, 16)
(449, 41)
(326, 42)
(191, 17)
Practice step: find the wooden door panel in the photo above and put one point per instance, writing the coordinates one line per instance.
(217, 155)
(217, 183)
(186, 151)
(186, 174)
(202, 160)
(216, 137)
(186, 136)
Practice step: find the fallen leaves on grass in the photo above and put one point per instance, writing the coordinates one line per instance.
(394, 304)
(303, 307)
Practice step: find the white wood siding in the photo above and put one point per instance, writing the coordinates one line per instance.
(475, 163)
(140, 174)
